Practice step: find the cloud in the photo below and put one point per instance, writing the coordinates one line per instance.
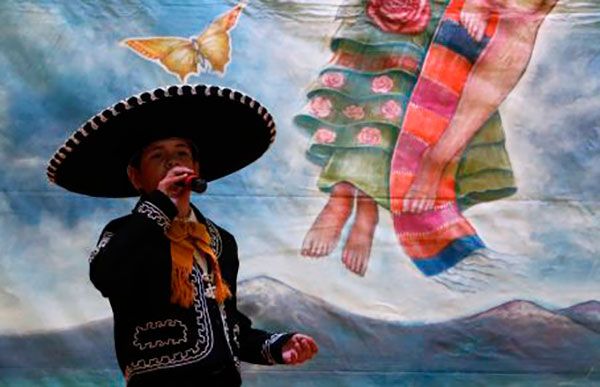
(552, 118)
(61, 65)
(8, 300)
(43, 265)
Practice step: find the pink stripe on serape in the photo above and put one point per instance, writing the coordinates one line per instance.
(435, 97)
(426, 222)
(429, 244)
(407, 155)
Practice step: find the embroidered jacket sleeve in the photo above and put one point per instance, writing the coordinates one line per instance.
(125, 261)
(255, 345)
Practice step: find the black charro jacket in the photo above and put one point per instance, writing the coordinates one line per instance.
(159, 343)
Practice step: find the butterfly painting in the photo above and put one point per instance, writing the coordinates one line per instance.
(211, 50)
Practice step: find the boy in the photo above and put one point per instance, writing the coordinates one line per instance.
(168, 272)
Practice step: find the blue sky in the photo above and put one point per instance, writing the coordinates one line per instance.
(60, 64)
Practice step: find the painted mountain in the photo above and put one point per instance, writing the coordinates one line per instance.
(516, 337)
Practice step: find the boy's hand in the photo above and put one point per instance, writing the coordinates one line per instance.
(171, 186)
(298, 349)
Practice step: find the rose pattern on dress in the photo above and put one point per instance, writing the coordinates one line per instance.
(369, 136)
(324, 136)
(382, 84)
(321, 107)
(391, 109)
(400, 16)
(335, 80)
(354, 112)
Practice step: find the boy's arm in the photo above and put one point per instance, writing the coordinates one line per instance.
(261, 347)
(255, 345)
(125, 260)
(258, 346)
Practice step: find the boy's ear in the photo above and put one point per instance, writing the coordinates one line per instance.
(133, 175)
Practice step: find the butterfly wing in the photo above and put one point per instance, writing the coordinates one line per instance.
(176, 55)
(214, 42)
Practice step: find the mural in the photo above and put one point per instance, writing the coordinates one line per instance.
(438, 157)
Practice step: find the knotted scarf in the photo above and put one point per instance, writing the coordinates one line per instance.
(187, 237)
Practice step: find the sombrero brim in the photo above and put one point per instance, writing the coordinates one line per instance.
(230, 130)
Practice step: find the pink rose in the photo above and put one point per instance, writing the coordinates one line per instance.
(324, 136)
(321, 107)
(391, 109)
(382, 84)
(400, 16)
(333, 80)
(369, 136)
(354, 112)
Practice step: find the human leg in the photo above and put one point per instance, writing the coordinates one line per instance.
(494, 75)
(357, 249)
(324, 234)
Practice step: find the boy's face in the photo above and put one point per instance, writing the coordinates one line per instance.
(157, 159)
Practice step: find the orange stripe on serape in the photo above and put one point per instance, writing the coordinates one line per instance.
(449, 68)
(447, 187)
(424, 123)
(425, 245)
(453, 10)
(401, 183)
(446, 190)
(492, 25)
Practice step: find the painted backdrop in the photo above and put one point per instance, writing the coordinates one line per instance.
(428, 212)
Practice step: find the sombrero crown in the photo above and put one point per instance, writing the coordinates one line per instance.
(230, 130)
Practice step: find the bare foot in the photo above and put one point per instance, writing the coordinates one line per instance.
(422, 193)
(357, 250)
(474, 17)
(324, 234)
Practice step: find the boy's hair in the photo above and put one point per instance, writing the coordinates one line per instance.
(136, 159)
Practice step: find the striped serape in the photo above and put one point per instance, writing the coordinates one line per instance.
(439, 238)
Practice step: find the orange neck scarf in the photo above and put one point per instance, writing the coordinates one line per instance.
(187, 237)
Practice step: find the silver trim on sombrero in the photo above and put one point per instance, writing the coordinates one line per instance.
(62, 152)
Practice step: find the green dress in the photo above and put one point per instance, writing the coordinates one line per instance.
(356, 108)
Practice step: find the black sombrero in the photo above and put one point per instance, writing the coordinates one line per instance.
(230, 130)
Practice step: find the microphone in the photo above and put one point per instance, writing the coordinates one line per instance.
(195, 183)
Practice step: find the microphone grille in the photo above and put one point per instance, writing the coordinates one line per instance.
(198, 185)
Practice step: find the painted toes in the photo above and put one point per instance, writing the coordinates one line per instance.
(322, 250)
